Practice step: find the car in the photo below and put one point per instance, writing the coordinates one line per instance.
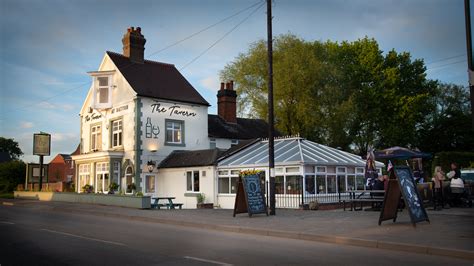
(467, 175)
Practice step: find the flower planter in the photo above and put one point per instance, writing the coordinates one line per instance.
(205, 205)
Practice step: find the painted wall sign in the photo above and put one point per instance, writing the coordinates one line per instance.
(92, 117)
(120, 109)
(173, 110)
(151, 131)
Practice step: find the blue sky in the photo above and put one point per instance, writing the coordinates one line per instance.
(46, 47)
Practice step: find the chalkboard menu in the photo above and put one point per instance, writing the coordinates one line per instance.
(406, 187)
(250, 197)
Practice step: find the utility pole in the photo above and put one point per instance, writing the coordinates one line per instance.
(470, 67)
(271, 153)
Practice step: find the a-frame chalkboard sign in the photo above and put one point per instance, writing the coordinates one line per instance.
(401, 183)
(250, 198)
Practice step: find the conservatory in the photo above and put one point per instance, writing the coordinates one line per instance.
(305, 171)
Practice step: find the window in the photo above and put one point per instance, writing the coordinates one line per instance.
(341, 181)
(84, 176)
(279, 185)
(212, 143)
(351, 185)
(292, 169)
(116, 175)
(331, 184)
(309, 183)
(102, 177)
(150, 184)
(102, 92)
(227, 182)
(192, 181)
(360, 182)
(293, 185)
(321, 184)
(96, 137)
(129, 179)
(117, 133)
(321, 169)
(174, 132)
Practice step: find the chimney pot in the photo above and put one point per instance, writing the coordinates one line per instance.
(231, 85)
(134, 45)
(226, 102)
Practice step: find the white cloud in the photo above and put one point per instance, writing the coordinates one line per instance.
(26, 124)
(46, 105)
(210, 83)
(64, 137)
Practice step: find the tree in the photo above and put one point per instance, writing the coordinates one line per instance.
(11, 147)
(11, 174)
(347, 95)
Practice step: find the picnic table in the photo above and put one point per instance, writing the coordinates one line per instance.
(363, 196)
(165, 202)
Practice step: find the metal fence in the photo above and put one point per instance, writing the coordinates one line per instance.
(298, 198)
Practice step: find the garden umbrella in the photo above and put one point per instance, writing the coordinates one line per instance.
(400, 153)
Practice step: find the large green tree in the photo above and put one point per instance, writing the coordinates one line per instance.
(11, 147)
(347, 95)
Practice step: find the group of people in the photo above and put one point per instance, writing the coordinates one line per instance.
(456, 187)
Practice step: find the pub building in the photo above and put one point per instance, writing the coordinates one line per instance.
(144, 127)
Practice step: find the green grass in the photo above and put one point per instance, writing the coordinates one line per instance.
(7, 195)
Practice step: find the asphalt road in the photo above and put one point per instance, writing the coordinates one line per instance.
(34, 236)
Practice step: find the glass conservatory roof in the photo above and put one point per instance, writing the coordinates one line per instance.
(292, 151)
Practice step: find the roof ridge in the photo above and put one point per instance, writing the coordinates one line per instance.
(145, 60)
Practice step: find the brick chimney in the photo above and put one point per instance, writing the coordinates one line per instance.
(226, 102)
(134, 45)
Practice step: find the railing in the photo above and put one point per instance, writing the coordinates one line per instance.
(297, 199)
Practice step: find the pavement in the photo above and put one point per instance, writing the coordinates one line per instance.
(450, 232)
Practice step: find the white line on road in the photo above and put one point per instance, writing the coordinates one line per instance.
(83, 237)
(208, 261)
(3, 222)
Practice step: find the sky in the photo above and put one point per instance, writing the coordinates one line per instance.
(47, 47)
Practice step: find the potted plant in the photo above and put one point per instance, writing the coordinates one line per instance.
(87, 188)
(201, 197)
(113, 187)
(131, 188)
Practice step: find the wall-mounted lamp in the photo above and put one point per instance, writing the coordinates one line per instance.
(150, 165)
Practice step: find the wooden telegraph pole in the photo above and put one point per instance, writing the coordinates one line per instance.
(271, 153)
(470, 67)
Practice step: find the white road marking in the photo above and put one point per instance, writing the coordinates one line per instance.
(83, 237)
(3, 222)
(7, 203)
(208, 261)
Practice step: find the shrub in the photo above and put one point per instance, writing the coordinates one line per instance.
(200, 198)
(11, 174)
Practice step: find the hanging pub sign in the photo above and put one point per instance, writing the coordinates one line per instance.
(250, 198)
(401, 183)
(41, 144)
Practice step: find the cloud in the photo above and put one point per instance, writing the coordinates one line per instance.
(59, 137)
(26, 124)
(211, 83)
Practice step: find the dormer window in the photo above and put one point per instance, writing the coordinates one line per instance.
(102, 89)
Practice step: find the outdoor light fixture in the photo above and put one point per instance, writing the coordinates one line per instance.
(150, 165)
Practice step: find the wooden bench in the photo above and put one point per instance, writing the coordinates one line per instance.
(354, 202)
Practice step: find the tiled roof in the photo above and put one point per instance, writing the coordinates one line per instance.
(179, 158)
(157, 80)
(244, 128)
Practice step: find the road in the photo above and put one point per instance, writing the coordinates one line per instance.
(35, 236)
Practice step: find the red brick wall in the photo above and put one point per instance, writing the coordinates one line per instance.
(59, 169)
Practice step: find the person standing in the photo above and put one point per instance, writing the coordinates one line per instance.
(438, 178)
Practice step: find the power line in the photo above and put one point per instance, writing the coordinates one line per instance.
(220, 39)
(444, 59)
(448, 64)
(204, 29)
(154, 53)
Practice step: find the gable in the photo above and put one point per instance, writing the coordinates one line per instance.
(157, 80)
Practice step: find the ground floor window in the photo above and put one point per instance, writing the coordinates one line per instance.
(331, 184)
(129, 180)
(192, 181)
(116, 174)
(102, 177)
(310, 184)
(150, 183)
(84, 176)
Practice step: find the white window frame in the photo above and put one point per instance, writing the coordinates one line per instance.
(84, 174)
(228, 174)
(102, 169)
(128, 173)
(170, 125)
(116, 174)
(96, 137)
(193, 180)
(98, 89)
(117, 130)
